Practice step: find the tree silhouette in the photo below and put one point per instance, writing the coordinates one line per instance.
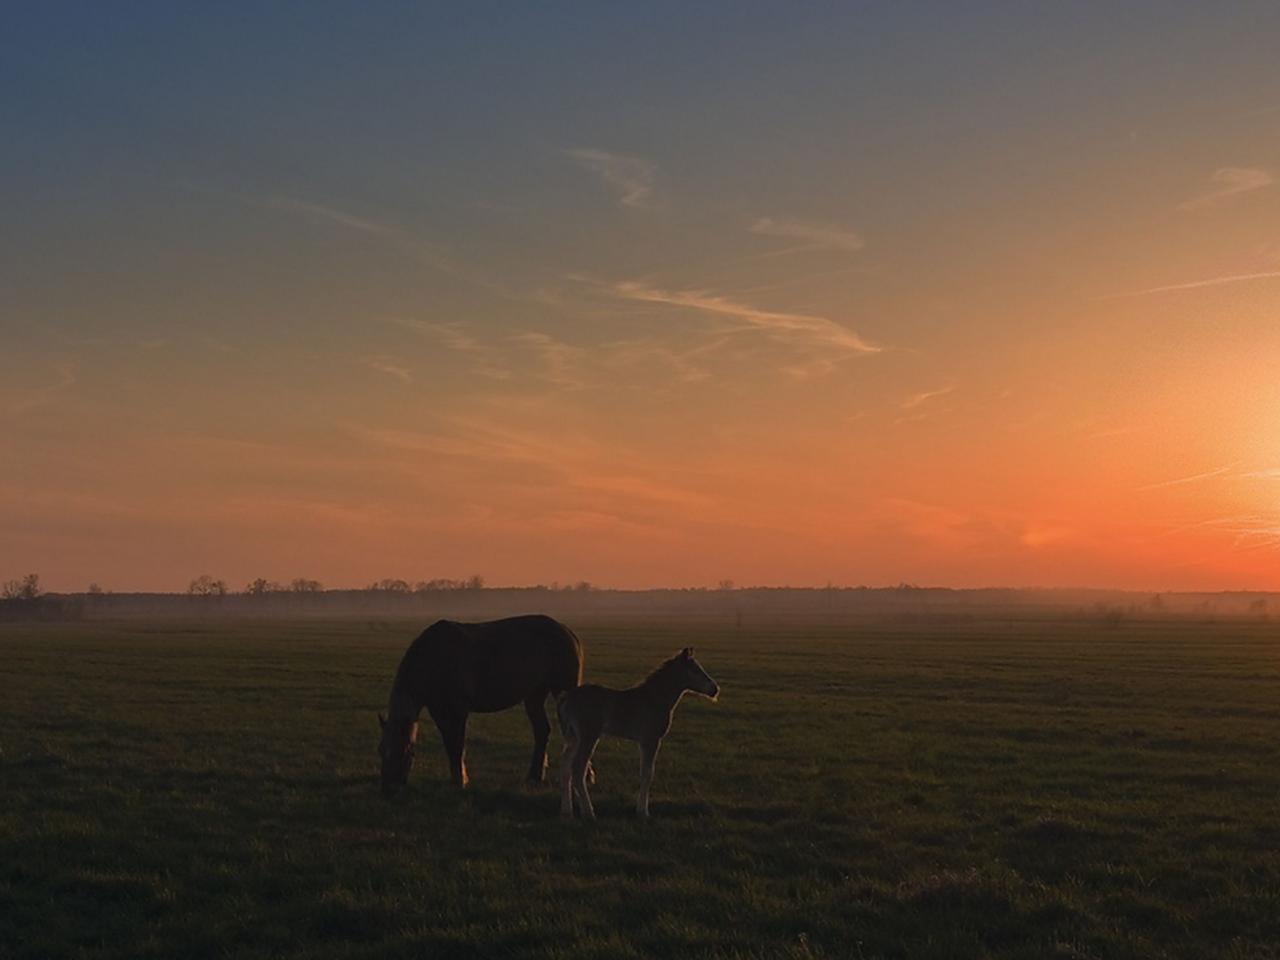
(28, 588)
(206, 586)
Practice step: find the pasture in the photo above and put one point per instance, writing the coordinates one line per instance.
(1025, 789)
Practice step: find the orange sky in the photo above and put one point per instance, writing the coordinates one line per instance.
(1023, 332)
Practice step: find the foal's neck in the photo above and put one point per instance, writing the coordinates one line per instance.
(664, 686)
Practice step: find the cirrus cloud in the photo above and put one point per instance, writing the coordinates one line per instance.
(808, 329)
(1229, 182)
(630, 176)
(813, 236)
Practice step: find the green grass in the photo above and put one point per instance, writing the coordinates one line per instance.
(1004, 790)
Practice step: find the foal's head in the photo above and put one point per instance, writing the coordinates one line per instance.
(396, 750)
(691, 674)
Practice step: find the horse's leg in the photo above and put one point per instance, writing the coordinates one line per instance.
(581, 760)
(648, 755)
(566, 778)
(453, 730)
(535, 705)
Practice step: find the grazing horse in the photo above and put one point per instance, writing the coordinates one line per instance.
(454, 669)
(641, 713)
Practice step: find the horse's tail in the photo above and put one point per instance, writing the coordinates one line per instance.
(575, 644)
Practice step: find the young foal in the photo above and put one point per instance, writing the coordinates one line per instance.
(641, 713)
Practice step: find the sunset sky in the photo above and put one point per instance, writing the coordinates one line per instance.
(953, 294)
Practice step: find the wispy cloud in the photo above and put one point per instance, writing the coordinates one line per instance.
(1268, 253)
(317, 211)
(450, 334)
(575, 367)
(559, 359)
(918, 399)
(577, 462)
(566, 365)
(683, 363)
(64, 377)
(1194, 478)
(931, 523)
(630, 176)
(1199, 284)
(487, 361)
(813, 236)
(1037, 535)
(918, 407)
(804, 278)
(431, 254)
(478, 439)
(1229, 182)
(641, 489)
(1250, 531)
(806, 329)
(389, 367)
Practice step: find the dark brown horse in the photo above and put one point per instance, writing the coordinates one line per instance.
(455, 669)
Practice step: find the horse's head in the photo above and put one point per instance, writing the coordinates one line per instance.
(396, 751)
(695, 678)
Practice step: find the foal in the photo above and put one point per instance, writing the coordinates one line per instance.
(641, 713)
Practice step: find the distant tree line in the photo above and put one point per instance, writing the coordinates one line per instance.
(25, 590)
(473, 582)
(23, 599)
(206, 585)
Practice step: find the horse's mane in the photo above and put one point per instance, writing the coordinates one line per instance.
(401, 705)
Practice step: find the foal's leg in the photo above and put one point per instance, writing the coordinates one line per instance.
(535, 705)
(648, 755)
(582, 760)
(566, 778)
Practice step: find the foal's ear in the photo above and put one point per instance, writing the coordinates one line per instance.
(687, 653)
(382, 721)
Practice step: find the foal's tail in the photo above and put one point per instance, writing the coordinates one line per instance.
(568, 729)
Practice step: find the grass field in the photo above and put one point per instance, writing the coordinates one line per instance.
(1005, 790)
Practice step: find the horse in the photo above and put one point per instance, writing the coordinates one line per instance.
(641, 713)
(455, 669)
